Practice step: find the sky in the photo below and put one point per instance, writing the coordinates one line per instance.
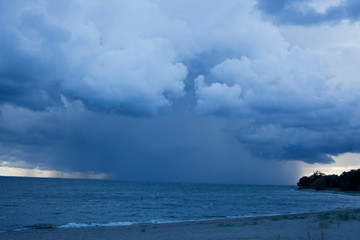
(233, 91)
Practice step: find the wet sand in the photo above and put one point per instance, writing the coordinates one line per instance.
(343, 224)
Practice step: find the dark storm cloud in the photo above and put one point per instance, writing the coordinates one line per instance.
(22, 75)
(166, 148)
(45, 54)
(300, 12)
(152, 90)
(31, 62)
(286, 107)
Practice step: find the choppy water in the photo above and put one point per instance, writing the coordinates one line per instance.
(34, 203)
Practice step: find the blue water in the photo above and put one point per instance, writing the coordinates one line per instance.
(35, 203)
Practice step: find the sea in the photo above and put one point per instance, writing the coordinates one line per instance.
(49, 203)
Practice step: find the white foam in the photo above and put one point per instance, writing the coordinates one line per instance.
(85, 225)
(163, 221)
(118, 224)
(158, 221)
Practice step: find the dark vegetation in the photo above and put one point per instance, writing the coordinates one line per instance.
(347, 181)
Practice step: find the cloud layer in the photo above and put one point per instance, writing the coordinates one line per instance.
(310, 12)
(118, 61)
(286, 106)
(159, 90)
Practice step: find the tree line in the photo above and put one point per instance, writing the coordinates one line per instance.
(347, 181)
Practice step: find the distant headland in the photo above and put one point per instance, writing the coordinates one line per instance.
(347, 181)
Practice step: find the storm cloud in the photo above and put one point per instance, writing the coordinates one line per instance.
(180, 91)
(310, 12)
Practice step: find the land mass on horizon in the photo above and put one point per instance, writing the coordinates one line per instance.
(347, 181)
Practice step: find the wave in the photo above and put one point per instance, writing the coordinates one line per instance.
(157, 221)
(108, 224)
(86, 225)
(72, 225)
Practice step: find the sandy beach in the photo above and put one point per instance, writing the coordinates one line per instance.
(343, 224)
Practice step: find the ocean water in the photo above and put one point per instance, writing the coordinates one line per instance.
(38, 203)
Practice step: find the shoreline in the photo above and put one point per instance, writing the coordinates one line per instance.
(126, 224)
(330, 190)
(338, 224)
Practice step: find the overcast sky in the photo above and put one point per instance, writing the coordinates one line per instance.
(232, 91)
